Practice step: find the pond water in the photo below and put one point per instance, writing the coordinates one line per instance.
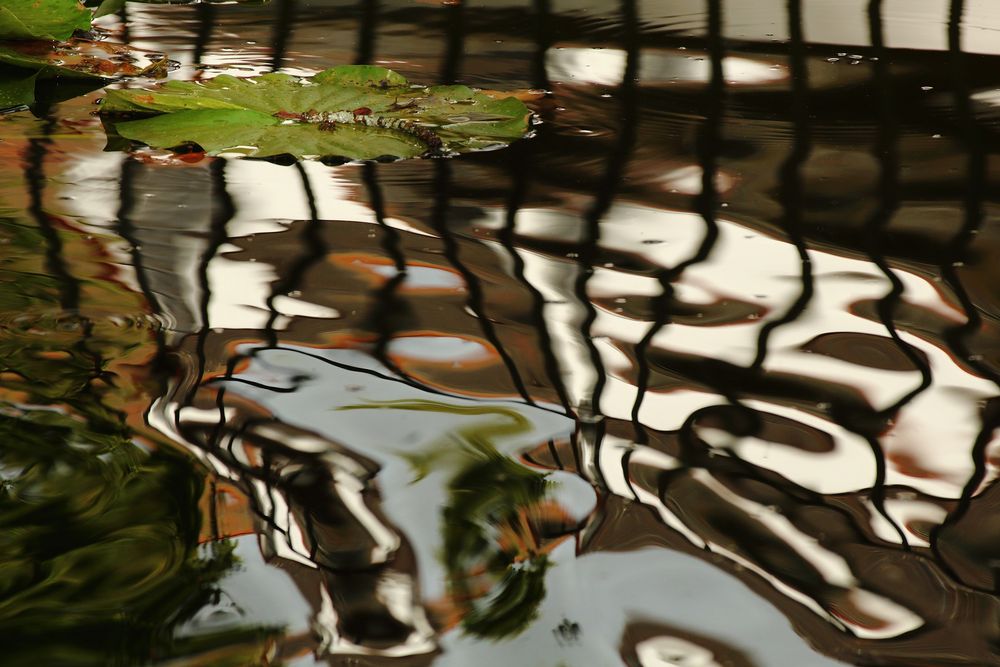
(704, 373)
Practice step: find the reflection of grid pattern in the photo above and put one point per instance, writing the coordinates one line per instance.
(838, 606)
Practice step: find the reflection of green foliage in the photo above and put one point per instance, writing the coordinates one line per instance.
(99, 556)
(26, 78)
(487, 497)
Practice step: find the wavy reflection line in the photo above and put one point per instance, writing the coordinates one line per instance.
(791, 195)
(476, 299)
(589, 416)
(55, 263)
(126, 229)
(886, 151)
(705, 204)
(388, 302)
(790, 191)
(520, 161)
(314, 249)
(975, 193)
(34, 174)
(222, 213)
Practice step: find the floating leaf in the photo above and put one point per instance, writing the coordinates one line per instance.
(357, 112)
(42, 19)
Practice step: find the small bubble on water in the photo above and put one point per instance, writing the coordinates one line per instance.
(926, 88)
(833, 60)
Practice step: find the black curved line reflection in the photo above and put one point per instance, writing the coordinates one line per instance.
(975, 194)
(706, 203)
(886, 150)
(313, 250)
(476, 300)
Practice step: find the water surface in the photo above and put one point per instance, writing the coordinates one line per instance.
(705, 373)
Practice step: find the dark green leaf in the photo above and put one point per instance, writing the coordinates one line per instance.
(42, 19)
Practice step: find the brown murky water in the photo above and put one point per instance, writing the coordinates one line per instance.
(705, 373)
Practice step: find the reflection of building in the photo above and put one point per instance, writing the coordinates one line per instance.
(835, 501)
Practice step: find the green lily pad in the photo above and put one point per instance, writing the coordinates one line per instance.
(42, 19)
(358, 112)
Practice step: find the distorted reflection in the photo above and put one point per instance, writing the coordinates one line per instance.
(706, 373)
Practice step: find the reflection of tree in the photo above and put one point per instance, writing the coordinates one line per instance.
(491, 548)
(98, 535)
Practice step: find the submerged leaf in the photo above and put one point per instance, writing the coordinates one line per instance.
(75, 67)
(356, 112)
(42, 19)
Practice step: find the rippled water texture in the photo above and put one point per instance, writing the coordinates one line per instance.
(706, 373)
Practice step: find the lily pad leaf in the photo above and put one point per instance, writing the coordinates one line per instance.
(357, 112)
(42, 19)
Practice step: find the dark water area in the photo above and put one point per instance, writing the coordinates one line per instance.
(705, 373)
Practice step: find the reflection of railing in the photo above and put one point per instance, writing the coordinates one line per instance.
(733, 383)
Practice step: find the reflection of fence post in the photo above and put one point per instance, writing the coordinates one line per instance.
(367, 28)
(286, 17)
(886, 152)
(975, 193)
(591, 424)
(705, 204)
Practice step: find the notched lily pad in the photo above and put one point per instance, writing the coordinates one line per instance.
(42, 19)
(357, 112)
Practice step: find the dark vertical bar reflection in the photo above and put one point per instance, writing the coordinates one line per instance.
(975, 192)
(476, 300)
(520, 161)
(706, 204)
(206, 24)
(790, 177)
(287, 11)
(886, 151)
(887, 154)
(589, 412)
(313, 250)
(367, 31)
(455, 42)
(55, 265)
(543, 41)
(222, 213)
(388, 306)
